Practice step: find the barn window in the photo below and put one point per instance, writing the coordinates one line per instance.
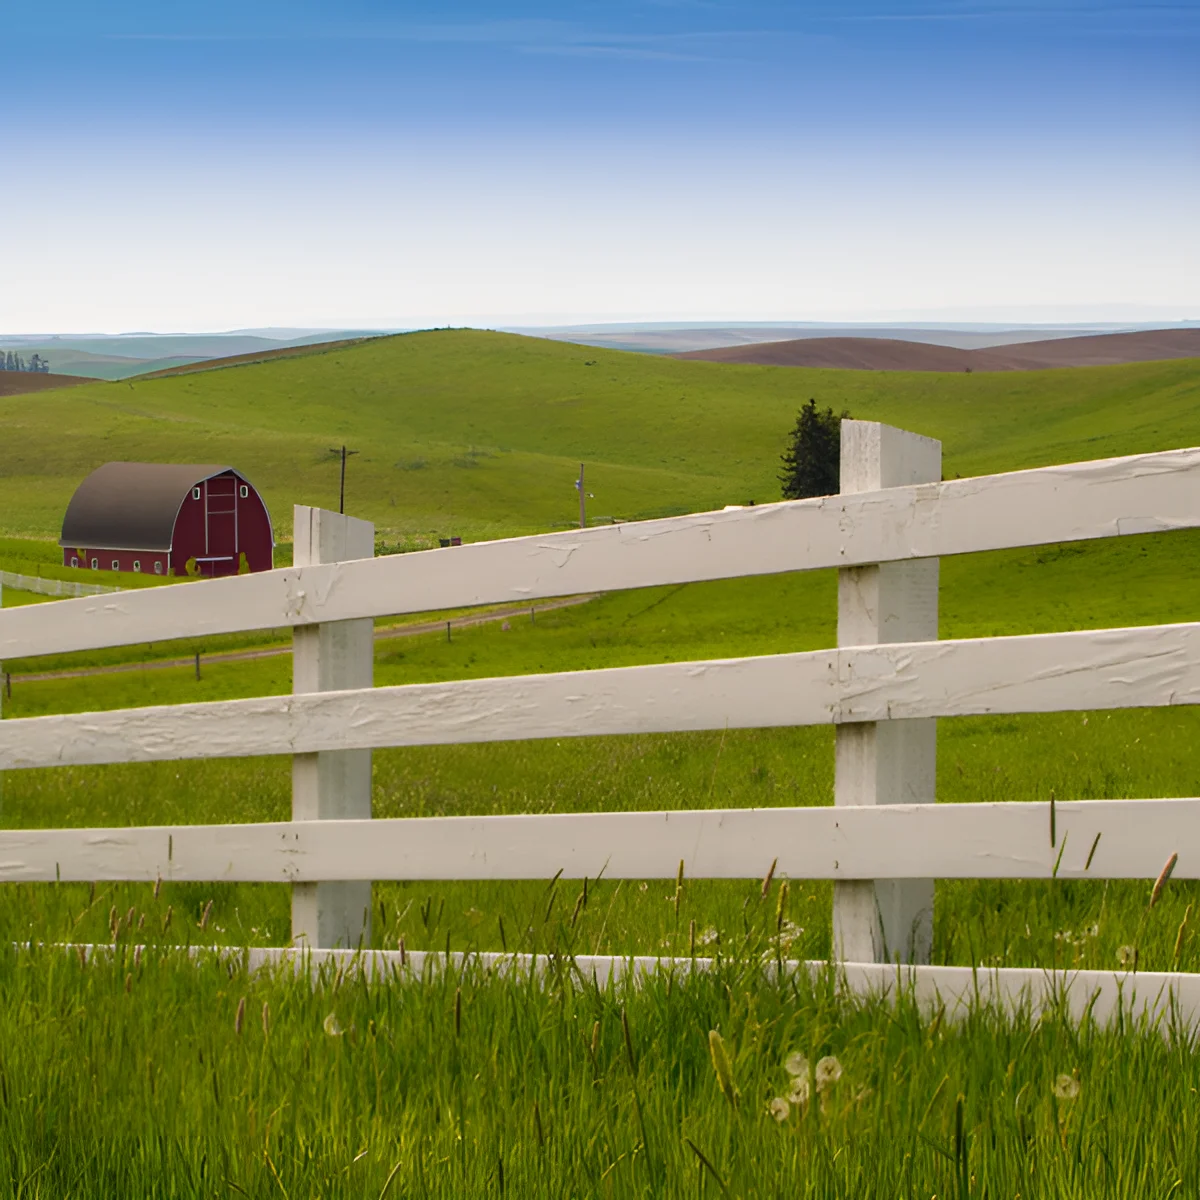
(95, 564)
(116, 564)
(243, 491)
(137, 565)
(74, 561)
(195, 493)
(158, 568)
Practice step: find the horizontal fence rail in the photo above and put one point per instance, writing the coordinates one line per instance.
(1149, 666)
(1092, 839)
(1168, 1001)
(1107, 498)
(53, 587)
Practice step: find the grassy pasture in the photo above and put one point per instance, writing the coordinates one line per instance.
(481, 434)
(129, 1076)
(366, 1090)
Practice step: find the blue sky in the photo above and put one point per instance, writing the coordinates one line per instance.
(216, 165)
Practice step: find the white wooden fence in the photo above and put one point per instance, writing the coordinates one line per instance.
(883, 687)
(52, 587)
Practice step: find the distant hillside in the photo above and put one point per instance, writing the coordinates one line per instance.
(124, 355)
(259, 356)
(475, 434)
(657, 338)
(18, 383)
(88, 365)
(890, 354)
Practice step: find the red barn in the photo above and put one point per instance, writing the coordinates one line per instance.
(167, 519)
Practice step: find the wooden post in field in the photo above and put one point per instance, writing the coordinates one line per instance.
(330, 657)
(889, 762)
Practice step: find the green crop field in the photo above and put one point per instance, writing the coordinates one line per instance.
(473, 1084)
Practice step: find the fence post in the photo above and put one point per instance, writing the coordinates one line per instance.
(889, 762)
(331, 784)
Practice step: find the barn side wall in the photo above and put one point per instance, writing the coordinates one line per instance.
(149, 562)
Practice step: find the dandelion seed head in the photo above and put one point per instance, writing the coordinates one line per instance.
(796, 1064)
(1127, 955)
(332, 1026)
(829, 1071)
(799, 1092)
(779, 1109)
(1066, 1087)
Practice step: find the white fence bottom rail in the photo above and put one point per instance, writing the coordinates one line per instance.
(1170, 999)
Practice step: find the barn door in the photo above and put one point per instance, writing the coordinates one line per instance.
(220, 515)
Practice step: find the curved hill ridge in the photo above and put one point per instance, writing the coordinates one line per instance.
(890, 354)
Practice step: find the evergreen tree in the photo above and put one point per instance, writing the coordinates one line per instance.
(812, 461)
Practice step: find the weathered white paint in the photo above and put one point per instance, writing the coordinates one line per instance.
(887, 762)
(1169, 1001)
(1138, 494)
(1132, 839)
(1149, 666)
(331, 784)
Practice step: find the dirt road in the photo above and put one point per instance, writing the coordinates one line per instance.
(395, 631)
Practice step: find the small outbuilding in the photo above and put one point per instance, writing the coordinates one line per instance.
(167, 519)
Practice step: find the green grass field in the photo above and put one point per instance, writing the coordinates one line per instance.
(481, 434)
(199, 1102)
(132, 1077)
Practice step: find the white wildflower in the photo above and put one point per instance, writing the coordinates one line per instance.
(796, 1064)
(829, 1071)
(779, 1109)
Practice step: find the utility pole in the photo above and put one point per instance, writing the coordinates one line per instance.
(342, 489)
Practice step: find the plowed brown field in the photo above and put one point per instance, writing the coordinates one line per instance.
(14, 383)
(887, 354)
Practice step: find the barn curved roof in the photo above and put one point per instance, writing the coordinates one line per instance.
(132, 505)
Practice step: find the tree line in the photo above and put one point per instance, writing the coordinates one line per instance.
(11, 361)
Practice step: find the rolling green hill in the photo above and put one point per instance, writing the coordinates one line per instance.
(481, 434)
